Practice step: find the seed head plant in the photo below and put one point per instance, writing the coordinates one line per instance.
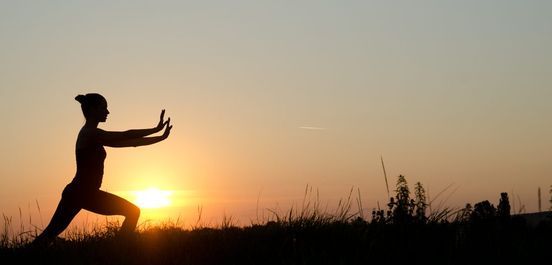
(503, 210)
(401, 208)
(420, 203)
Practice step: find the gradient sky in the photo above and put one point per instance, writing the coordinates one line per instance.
(269, 96)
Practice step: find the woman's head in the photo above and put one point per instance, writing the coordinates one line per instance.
(94, 106)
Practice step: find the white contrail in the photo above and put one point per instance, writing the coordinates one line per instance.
(312, 128)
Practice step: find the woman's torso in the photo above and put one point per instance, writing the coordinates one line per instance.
(90, 156)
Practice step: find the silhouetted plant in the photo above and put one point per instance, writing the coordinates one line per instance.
(503, 210)
(550, 197)
(401, 207)
(483, 211)
(420, 203)
(378, 216)
(464, 215)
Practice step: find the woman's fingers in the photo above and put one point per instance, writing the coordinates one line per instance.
(161, 123)
(162, 114)
(167, 123)
(167, 131)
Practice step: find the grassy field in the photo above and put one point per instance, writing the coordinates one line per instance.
(402, 234)
(300, 241)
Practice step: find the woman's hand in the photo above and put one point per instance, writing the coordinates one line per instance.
(167, 129)
(136, 137)
(161, 123)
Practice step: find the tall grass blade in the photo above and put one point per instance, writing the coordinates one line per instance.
(385, 176)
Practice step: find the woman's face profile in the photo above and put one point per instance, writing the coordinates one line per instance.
(101, 111)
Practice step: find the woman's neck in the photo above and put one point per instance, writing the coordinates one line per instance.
(93, 124)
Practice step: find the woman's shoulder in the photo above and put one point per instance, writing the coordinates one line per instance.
(90, 131)
(87, 137)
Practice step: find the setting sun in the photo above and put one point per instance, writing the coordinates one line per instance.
(152, 198)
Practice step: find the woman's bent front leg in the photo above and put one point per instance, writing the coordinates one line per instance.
(105, 203)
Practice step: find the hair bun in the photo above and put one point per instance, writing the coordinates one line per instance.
(80, 98)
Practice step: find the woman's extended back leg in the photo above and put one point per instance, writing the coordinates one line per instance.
(65, 212)
(105, 203)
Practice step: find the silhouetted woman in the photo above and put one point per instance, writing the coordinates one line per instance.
(84, 191)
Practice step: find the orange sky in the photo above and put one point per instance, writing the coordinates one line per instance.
(267, 98)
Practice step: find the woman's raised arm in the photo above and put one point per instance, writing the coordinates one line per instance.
(110, 138)
(134, 142)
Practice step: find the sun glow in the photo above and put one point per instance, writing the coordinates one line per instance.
(152, 198)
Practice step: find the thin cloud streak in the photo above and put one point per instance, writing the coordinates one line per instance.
(312, 128)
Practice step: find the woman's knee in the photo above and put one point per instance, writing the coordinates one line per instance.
(134, 211)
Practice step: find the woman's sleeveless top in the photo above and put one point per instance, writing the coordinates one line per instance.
(90, 166)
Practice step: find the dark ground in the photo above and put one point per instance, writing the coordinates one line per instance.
(354, 242)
